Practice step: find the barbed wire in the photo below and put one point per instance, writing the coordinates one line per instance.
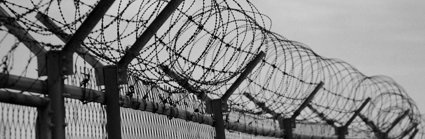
(208, 43)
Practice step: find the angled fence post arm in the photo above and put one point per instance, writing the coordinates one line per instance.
(343, 130)
(22, 99)
(113, 125)
(307, 100)
(23, 36)
(185, 84)
(397, 120)
(412, 136)
(55, 90)
(378, 133)
(82, 32)
(143, 39)
(76, 92)
(261, 105)
(322, 116)
(80, 50)
(357, 112)
(407, 131)
(248, 69)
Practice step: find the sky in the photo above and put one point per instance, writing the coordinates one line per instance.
(378, 37)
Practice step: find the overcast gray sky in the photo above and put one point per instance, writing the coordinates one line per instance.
(379, 37)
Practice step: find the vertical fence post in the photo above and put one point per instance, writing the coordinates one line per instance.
(217, 108)
(378, 133)
(82, 32)
(113, 125)
(53, 116)
(81, 51)
(43, 123)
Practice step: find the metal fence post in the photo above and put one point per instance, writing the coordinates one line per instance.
(287, 124)
(217, 108)
(113, 125)
(56, 107)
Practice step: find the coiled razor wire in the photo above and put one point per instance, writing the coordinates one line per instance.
(209, 42)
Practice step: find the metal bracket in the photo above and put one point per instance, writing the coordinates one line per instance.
(378, 133)
(185, 84)
(218, 106)
(248, 69)
(7, 96)
(289, 123)
(343, 130)
(112, 98)
(80, 50)
(82, 32)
